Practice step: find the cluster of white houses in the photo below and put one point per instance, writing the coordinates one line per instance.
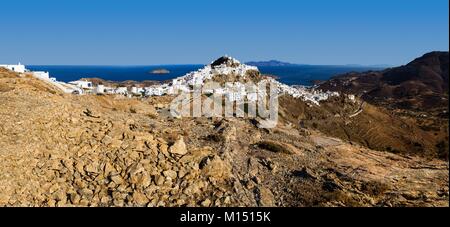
(81, 86)
(237, 91)
(233, 91)
(88, 87)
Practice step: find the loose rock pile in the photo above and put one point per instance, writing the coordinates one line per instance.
(85, 157)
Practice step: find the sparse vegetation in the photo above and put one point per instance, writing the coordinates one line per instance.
(274, 147)
(111, 151)
(374, 188)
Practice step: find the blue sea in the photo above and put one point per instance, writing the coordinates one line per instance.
(292, 75)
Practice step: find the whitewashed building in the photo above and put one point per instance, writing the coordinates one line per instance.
(109, 90)
(121, 91)
(137, 90)
(352, 98)
(42, 75)
(82, 84)
(19, 68)
(100, 89)
(155, 91)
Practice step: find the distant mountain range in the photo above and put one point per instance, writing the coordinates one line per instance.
(268, 63)
(272, 63)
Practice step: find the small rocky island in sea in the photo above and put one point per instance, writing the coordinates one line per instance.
(160, 71)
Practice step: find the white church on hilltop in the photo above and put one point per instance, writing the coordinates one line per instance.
(19, 68)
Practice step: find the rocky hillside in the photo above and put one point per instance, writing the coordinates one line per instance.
(419, 85)
(64, 150)
(415, 95)
(367, 125)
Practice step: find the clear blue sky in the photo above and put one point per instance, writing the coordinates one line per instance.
(133, 32)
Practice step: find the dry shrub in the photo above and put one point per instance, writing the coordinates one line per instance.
(374, 188)
(274, 147)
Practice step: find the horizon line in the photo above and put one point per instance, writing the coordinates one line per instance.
(197, 64)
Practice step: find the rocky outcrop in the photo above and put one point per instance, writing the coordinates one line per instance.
(160, 71)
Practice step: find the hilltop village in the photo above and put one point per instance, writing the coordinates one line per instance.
(226, 67)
